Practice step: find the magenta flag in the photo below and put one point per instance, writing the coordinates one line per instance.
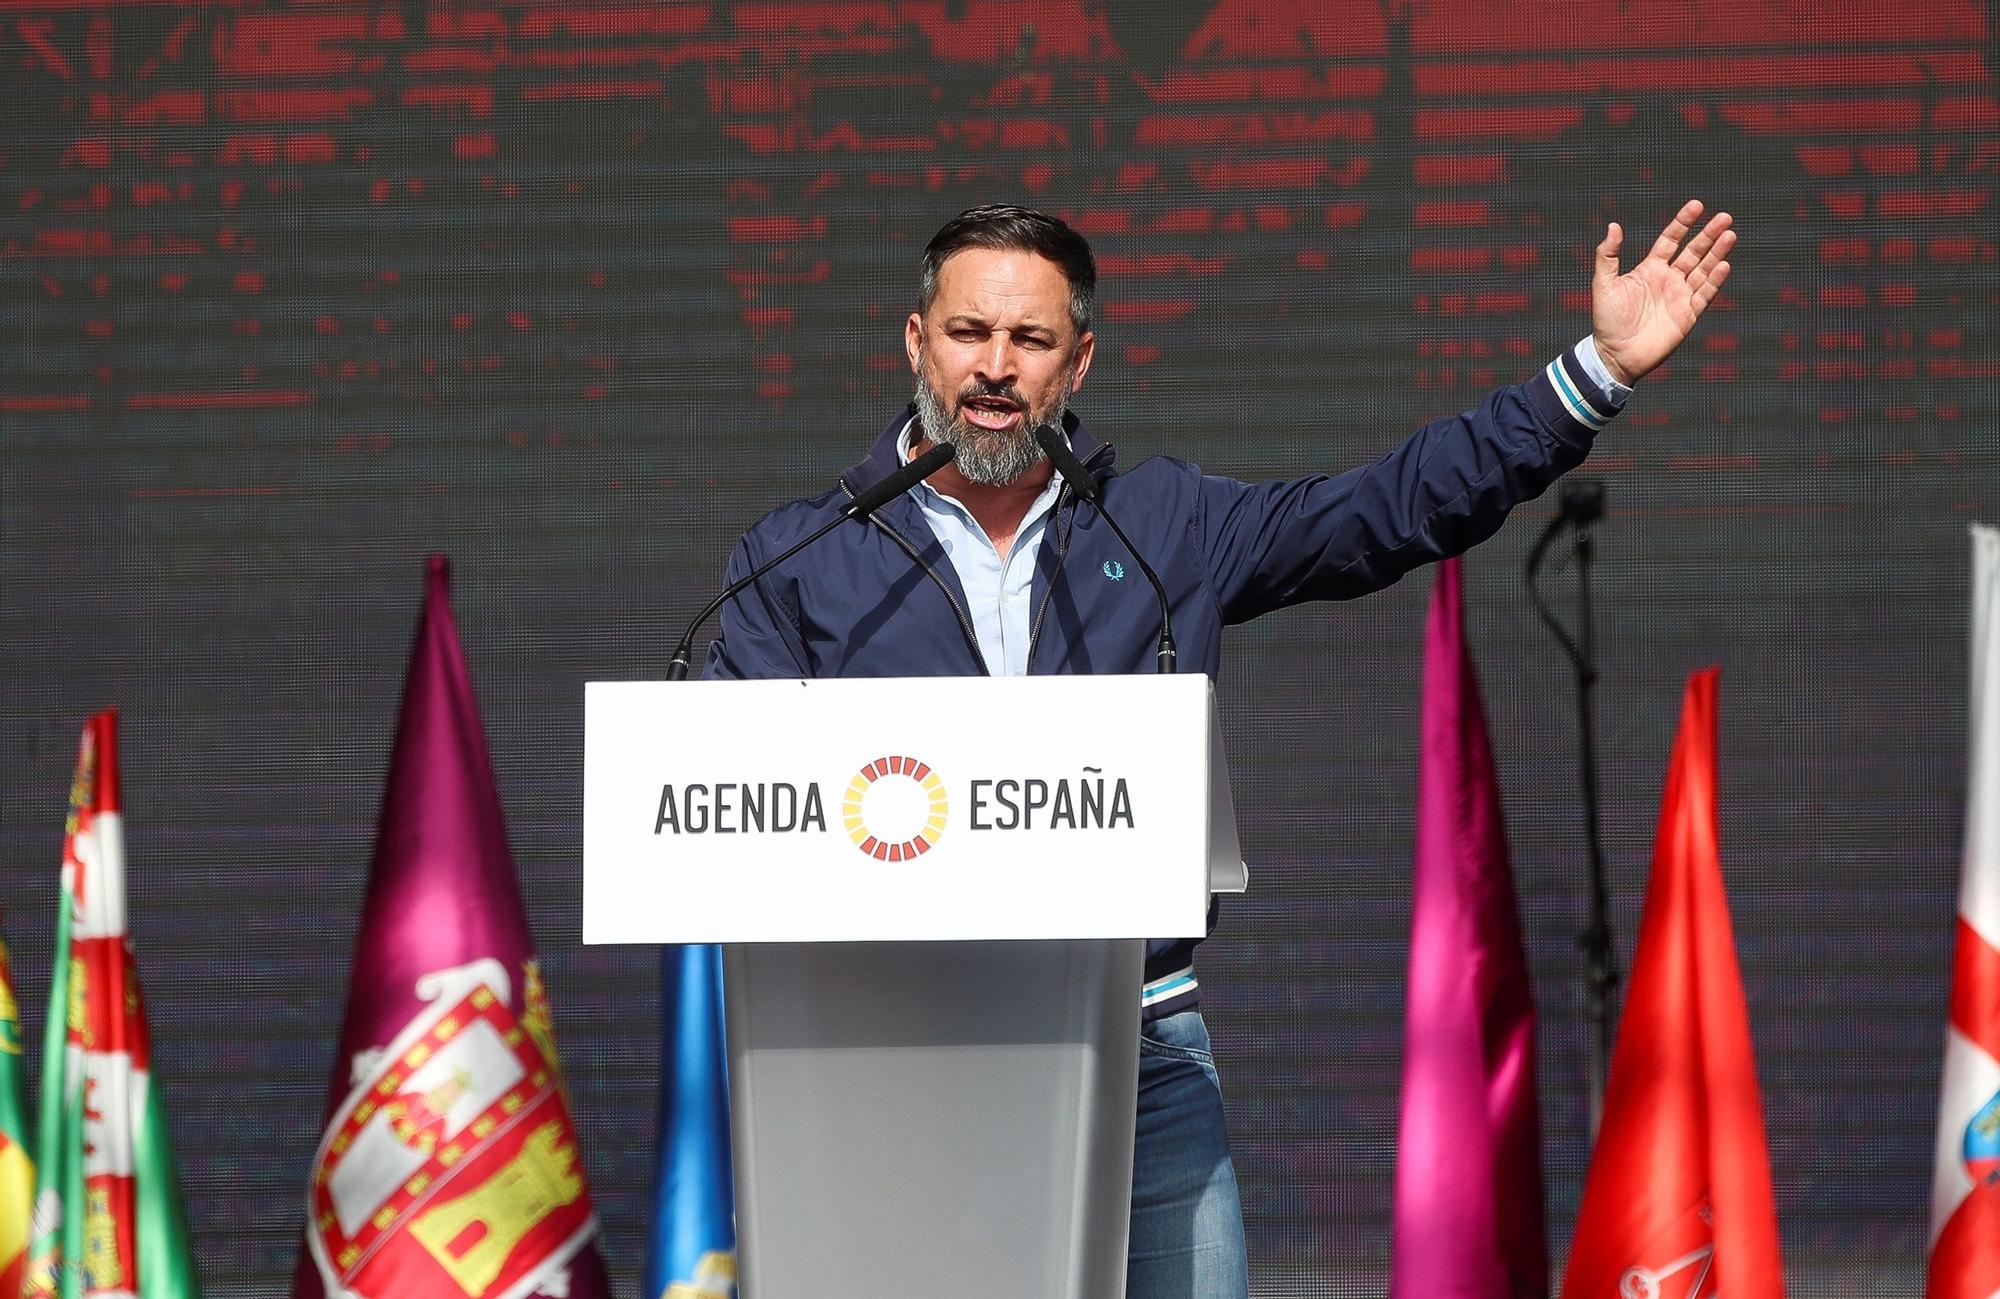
(448, 1166)
(1468, 1168)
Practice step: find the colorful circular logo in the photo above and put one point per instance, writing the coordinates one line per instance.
(895, 809)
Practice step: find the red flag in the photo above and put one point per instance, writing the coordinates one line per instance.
(1678, 1204)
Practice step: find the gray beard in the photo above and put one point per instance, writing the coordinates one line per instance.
(987, 458)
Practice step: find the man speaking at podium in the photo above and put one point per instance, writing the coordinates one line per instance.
(994, 565)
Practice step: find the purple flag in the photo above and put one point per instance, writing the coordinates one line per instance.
(448, 1166)
(1468, 1168)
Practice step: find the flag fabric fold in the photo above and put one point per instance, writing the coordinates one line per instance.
(17, 1168)
(448, 1166)
(1965, 1196)
(1468, 1199)
(108, 1219)
(1678, 1201)
(691, 1253)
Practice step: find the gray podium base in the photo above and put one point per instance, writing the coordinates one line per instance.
(921, 1119)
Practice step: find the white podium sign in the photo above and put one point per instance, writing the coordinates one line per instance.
(940, 808)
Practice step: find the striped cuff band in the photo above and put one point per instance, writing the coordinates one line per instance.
(1172, 985)
(1587, 407)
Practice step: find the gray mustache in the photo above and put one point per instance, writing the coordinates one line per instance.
(1005, 392)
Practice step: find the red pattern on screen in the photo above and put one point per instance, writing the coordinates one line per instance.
(1240, 126)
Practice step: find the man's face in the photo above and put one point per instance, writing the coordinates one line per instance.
(995, 356)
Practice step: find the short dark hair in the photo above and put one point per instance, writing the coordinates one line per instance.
(1016, 229)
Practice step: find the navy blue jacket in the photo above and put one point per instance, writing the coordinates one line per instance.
(884, 600)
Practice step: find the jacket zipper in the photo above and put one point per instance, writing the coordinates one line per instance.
(1062, 553)
(964, 620)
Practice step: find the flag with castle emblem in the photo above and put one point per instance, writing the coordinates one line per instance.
(448, 1167)
(1965, 1196)
(17, 1170)
(107, 1218)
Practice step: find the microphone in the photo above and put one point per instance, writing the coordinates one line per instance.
(1579, 504)
(1057, 449)
(907, 476)
(865, 502)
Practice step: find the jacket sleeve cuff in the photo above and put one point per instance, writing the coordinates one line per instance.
(1576, 393)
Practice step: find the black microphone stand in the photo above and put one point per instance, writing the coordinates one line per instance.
(1581, 505)
(1084, 483)
(860, 505)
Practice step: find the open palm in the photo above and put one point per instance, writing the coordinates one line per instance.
(1640, 317)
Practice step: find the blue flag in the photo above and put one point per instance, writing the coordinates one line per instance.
(692, 1253)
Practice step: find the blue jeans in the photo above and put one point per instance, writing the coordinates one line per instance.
(1187, 1226)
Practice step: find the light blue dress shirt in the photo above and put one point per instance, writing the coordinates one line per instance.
(996, 590)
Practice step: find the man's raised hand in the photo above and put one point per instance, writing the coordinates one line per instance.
(1640, 317)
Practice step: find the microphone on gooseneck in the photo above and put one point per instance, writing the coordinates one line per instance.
(1052, 442)
(871, 499)
(865, 502)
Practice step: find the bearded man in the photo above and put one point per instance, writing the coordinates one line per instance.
(989, 567)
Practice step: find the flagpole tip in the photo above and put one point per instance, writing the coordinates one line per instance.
(103, 728)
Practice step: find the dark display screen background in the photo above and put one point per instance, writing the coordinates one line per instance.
(295, 295)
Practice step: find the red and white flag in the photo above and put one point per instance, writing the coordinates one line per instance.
(108, 1222)
(1965, 1196)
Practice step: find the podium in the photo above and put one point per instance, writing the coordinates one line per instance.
(934, 895)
